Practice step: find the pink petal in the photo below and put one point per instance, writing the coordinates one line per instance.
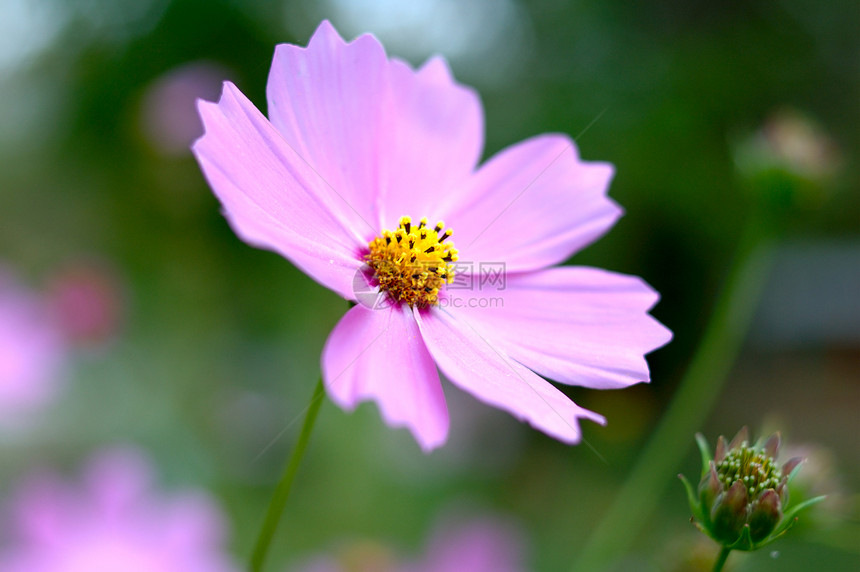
(433, 140)
(327, 101)
(391, 140)
(189, 523)
(379, 355)
(533, 205)
(271, 196)
(576, 325)
(118, 479)
(473, 363)
(40, 508)
(32, 351)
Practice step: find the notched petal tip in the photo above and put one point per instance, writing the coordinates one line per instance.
(614, 211)
(428, 445)
(206, 108)
(592, 416)
(346, 403)
(662, 335)
(438, 70)
(566, 438)
(427, 440)
(324, 32)
(228, 89)
(437, 65)
(207, 111)
(665, 335)
(643, 288)
(561, 144)
(377, 356)
(602, 171)
(608, 168)
(326, 35)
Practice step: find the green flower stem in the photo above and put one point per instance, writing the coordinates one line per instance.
(694, 398)
(282, 491)
(721, 559)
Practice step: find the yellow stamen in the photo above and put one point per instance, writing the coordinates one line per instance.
(411, 263)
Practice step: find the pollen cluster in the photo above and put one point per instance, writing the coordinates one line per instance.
(755, 469)
(411, 263)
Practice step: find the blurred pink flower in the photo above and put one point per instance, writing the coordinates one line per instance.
(87, 300)
(167, 110)
(32, 351)
(478, 545)
(357, 144)
(484, 545)
(115, 521)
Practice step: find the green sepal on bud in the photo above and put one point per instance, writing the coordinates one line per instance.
(742, 498)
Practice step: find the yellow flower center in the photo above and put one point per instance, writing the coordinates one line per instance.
(412, 263)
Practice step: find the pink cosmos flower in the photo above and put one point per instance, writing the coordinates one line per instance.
(32, 351)
(114, 522)
(357, 144)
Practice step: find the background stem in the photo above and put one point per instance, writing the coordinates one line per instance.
(697, 392)
(282, 491)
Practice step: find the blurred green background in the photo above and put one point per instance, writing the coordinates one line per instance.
(213, 347)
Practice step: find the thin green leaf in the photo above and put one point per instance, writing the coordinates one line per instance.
(805, 504)
(695, 505)
(705, 451)
(783, 527)
(794, 472)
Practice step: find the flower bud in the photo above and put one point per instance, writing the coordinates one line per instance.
(742, 498)
(790, 163)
